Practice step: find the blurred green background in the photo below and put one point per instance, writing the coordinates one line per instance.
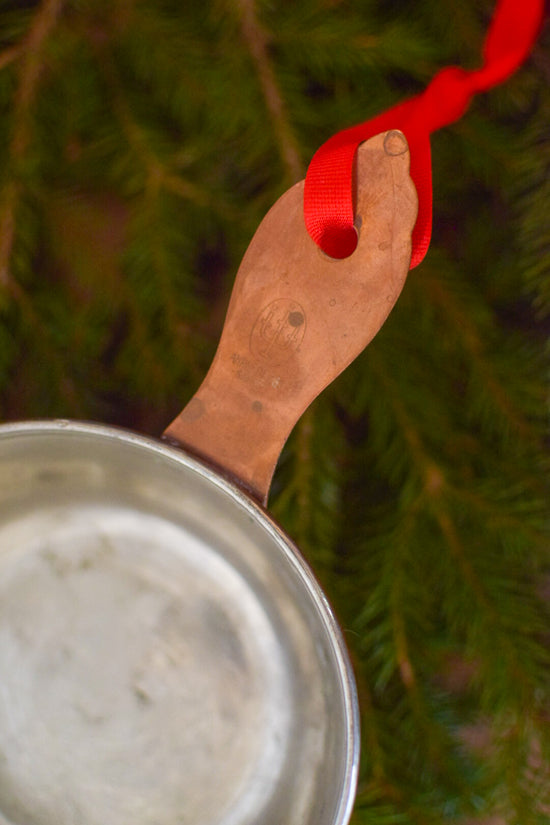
(141, 144)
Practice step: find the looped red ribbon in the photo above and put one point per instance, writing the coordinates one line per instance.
(328, 201)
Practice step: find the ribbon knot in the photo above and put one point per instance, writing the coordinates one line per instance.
(328, 201)
(446, 98)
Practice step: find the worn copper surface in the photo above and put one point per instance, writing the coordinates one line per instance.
(297, 318)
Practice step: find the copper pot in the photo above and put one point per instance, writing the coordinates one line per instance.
(166, 655)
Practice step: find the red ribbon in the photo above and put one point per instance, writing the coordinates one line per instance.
(328, 201)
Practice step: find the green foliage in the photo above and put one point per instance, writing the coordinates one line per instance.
(141, 144)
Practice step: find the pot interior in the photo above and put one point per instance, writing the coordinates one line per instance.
(166, 657)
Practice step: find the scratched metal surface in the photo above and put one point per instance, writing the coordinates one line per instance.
(166, 657)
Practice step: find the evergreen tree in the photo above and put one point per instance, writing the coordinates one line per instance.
(141, 144)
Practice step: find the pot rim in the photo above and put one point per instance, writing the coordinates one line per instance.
(258, 514)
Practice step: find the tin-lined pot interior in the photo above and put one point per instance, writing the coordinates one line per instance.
(165, 654)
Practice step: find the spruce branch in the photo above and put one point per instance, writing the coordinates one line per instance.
(373, 750)
(147, 159)
(304, 464)
(148, 213)
(158, 172)
(189, 191)
(153, 370)
(299, 496)
(161, 266)
(31, 63)
(495, 624)
(528, 521)
(431, 475)
(57, 376)
(465, 565)
(8, 202)
(256, 39)
(9, 55)
(399, 632)
(469, 335)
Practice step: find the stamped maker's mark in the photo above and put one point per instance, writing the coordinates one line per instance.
(278, 331)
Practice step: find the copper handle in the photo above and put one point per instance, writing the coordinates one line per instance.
(297, 318)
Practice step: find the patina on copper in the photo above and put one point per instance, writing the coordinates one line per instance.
(297, 318)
